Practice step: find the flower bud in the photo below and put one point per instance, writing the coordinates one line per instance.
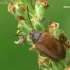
(39, 10)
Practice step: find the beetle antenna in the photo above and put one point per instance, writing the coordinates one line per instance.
(16, 35)
(29, 18)
(12, 36)
(48, 20)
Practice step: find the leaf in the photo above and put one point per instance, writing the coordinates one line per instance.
(24, 28)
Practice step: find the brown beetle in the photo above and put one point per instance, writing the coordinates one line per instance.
(48, 45)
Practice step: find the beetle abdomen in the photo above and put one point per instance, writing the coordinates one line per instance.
(50, 47)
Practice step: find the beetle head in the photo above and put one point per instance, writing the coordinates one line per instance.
(35, 35)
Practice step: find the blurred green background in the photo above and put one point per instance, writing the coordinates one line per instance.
(18, 57)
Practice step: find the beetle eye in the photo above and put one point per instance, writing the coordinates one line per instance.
(32, 33)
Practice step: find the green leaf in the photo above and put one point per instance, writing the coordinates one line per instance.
(38, 26)
(39, 10)
(29, 4)
(57, 66)
(24, 28)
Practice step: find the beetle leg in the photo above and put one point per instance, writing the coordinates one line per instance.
(33, 47)
(68, 44)
(63, 38)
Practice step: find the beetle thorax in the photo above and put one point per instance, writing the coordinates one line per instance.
(35, 35)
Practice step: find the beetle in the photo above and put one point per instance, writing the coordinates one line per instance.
(48, 45)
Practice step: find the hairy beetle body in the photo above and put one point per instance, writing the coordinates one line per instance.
(48, 45)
